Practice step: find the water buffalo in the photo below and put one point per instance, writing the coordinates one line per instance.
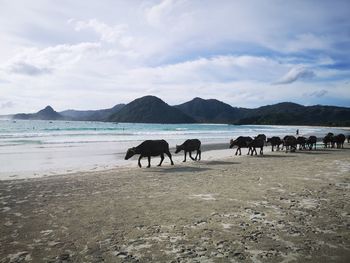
(188, 146)
(328, 140)
(275, 141)
(311, 141)
(258, 142)
(290, 142)
(339, 140)
(302, 142)
(241, 142)
(262, 136)
(150, 148)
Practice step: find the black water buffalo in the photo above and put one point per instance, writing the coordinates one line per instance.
(275, 141)
(262, 136)
(290, 142)
(311, 141)
(258, 142)
(188, 146)
(150, 148)
(328, 140)
(339, 140)
(302, 142)
(241, 142)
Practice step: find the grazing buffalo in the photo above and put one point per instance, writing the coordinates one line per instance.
(241, 142)
(290, 142)
(328, 140)
(258, 142)
(302, 142)
(188, 146)
(311, 141)
(275, 141)
(150, 148)
(339, 140)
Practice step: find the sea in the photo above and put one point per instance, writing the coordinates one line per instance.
(35, 148)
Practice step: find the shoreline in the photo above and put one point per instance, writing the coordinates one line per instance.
(49, 154)
(210, 151)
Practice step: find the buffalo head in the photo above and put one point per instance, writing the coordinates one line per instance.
(130, 153)
(178, 148)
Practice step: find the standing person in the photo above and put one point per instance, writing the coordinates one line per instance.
(297, 132)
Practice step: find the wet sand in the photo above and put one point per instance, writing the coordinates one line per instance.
(281, 207)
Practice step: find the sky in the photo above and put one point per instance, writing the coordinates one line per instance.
(86, 54)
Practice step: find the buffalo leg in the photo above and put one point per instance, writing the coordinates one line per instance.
(199, 154)
(272, 148)
(161, 159)
(185, 156)
(191, 155)
(149, 161)
(139, 162)
(261, 151)
(169, 155)
(237, 151)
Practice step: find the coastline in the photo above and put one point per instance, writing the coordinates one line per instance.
(282, 207)
(213, 151)
(54, 148)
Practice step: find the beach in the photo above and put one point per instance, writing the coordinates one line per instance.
(280, 207)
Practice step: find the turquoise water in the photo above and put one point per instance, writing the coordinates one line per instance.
(39, 148)
(63, 132)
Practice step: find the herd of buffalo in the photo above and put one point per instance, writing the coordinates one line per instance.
(160, 147)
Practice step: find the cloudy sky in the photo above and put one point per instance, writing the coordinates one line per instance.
(86, 54)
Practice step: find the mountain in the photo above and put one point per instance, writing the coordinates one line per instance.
(211, 111)
(45, 114)
(295, 114)
(150, 109)
(284, 113)
(91, 115)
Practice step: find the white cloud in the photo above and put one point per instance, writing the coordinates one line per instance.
(308, 41)
(28, 69)
(156, 14)
(110, 34)
(294, 74)
(35, 61)
(7, 104)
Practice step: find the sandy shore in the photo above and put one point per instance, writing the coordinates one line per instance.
(278, 208)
